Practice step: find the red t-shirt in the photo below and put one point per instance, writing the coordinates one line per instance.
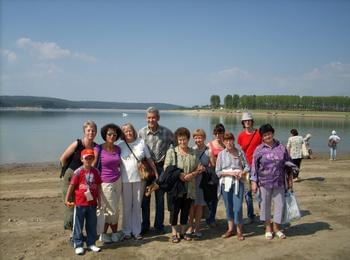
(82, 180)
(244, 140)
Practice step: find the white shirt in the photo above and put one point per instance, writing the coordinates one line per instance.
(129, 163)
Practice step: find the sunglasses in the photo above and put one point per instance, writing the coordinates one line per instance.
(112, 134)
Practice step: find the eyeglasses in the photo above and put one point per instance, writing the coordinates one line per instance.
(219, 133)
(112, 134)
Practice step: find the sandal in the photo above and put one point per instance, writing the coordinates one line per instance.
(185, 237)
(240, 237)
(228, 234)
(280, 234)
(175, 239)
(268, 235)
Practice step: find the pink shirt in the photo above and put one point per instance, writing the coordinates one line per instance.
(110, 164)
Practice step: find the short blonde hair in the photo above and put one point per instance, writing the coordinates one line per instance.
(200, 132)
(90, 123)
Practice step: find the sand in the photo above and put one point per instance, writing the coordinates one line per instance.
(32, 227)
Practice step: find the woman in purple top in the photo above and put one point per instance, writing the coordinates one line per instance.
(268, 175)
(109, 165)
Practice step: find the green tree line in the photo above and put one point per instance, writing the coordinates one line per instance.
(282, 102)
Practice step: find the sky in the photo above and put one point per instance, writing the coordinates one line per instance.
(179, 52)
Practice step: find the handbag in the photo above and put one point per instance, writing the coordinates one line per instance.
(144, 168)
(304, 151)
(291, 211)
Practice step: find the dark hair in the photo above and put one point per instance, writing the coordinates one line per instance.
(182, 131)
(294, 132)
(116, 128)
(219, 128)
(247, 120)
(265, 129)
(229, 136)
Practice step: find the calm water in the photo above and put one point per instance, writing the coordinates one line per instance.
(41, 136)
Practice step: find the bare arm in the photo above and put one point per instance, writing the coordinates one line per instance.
(69, 192)
(68, 152)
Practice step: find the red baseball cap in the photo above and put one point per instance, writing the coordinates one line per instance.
(86, 153)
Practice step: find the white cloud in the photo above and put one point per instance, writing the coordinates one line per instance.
(44, 50)
(84, 57)
(9, 55)
(229, 75)
(51, 50)
(332, 70)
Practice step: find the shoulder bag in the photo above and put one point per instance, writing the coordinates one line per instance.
(144, 168)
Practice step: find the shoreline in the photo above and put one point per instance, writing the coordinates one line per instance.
(260, 113)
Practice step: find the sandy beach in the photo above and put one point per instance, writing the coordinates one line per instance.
(32, 228)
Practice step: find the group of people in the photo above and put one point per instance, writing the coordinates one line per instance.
(99, 176)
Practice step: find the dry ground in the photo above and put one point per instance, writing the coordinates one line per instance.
(31, 221)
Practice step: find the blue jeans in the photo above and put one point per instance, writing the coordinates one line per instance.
(233, 203)
(87, 214)
(333, 153)
(212, 206)
(249, 201)
(146, 203)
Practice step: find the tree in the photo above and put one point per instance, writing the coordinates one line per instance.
(228, 102)
(215, 101)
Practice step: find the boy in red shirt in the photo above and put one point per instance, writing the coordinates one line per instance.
(86, 184)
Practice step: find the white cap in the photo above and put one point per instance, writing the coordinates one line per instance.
(334, 132)
(247, 116)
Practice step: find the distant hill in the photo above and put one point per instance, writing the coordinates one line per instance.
(56, 103)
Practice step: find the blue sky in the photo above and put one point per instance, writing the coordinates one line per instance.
(179, 52)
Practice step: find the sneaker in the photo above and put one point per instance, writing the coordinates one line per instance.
(116, 237)
(105, 238)
(94, 248)
(79, 251)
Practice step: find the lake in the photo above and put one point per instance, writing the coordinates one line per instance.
(42, 135)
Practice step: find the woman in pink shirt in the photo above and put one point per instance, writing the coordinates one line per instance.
(108, 162)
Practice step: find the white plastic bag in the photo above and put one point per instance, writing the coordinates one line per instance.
(291, 211)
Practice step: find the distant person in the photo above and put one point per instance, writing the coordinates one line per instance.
(158, 139)
(268, 176)
(230, 165)
(70, 160)
(86, 185)
(294, 144)
(215, 147)
(133, 150)
(109, 166)
(180, 201)
(307, 144)
(333, 140)
(248, 140)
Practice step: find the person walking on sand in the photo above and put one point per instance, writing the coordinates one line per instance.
(70, 161)
(294, 148)
(86, 184)
(158, 139)
(333, 140)
(248, 140)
